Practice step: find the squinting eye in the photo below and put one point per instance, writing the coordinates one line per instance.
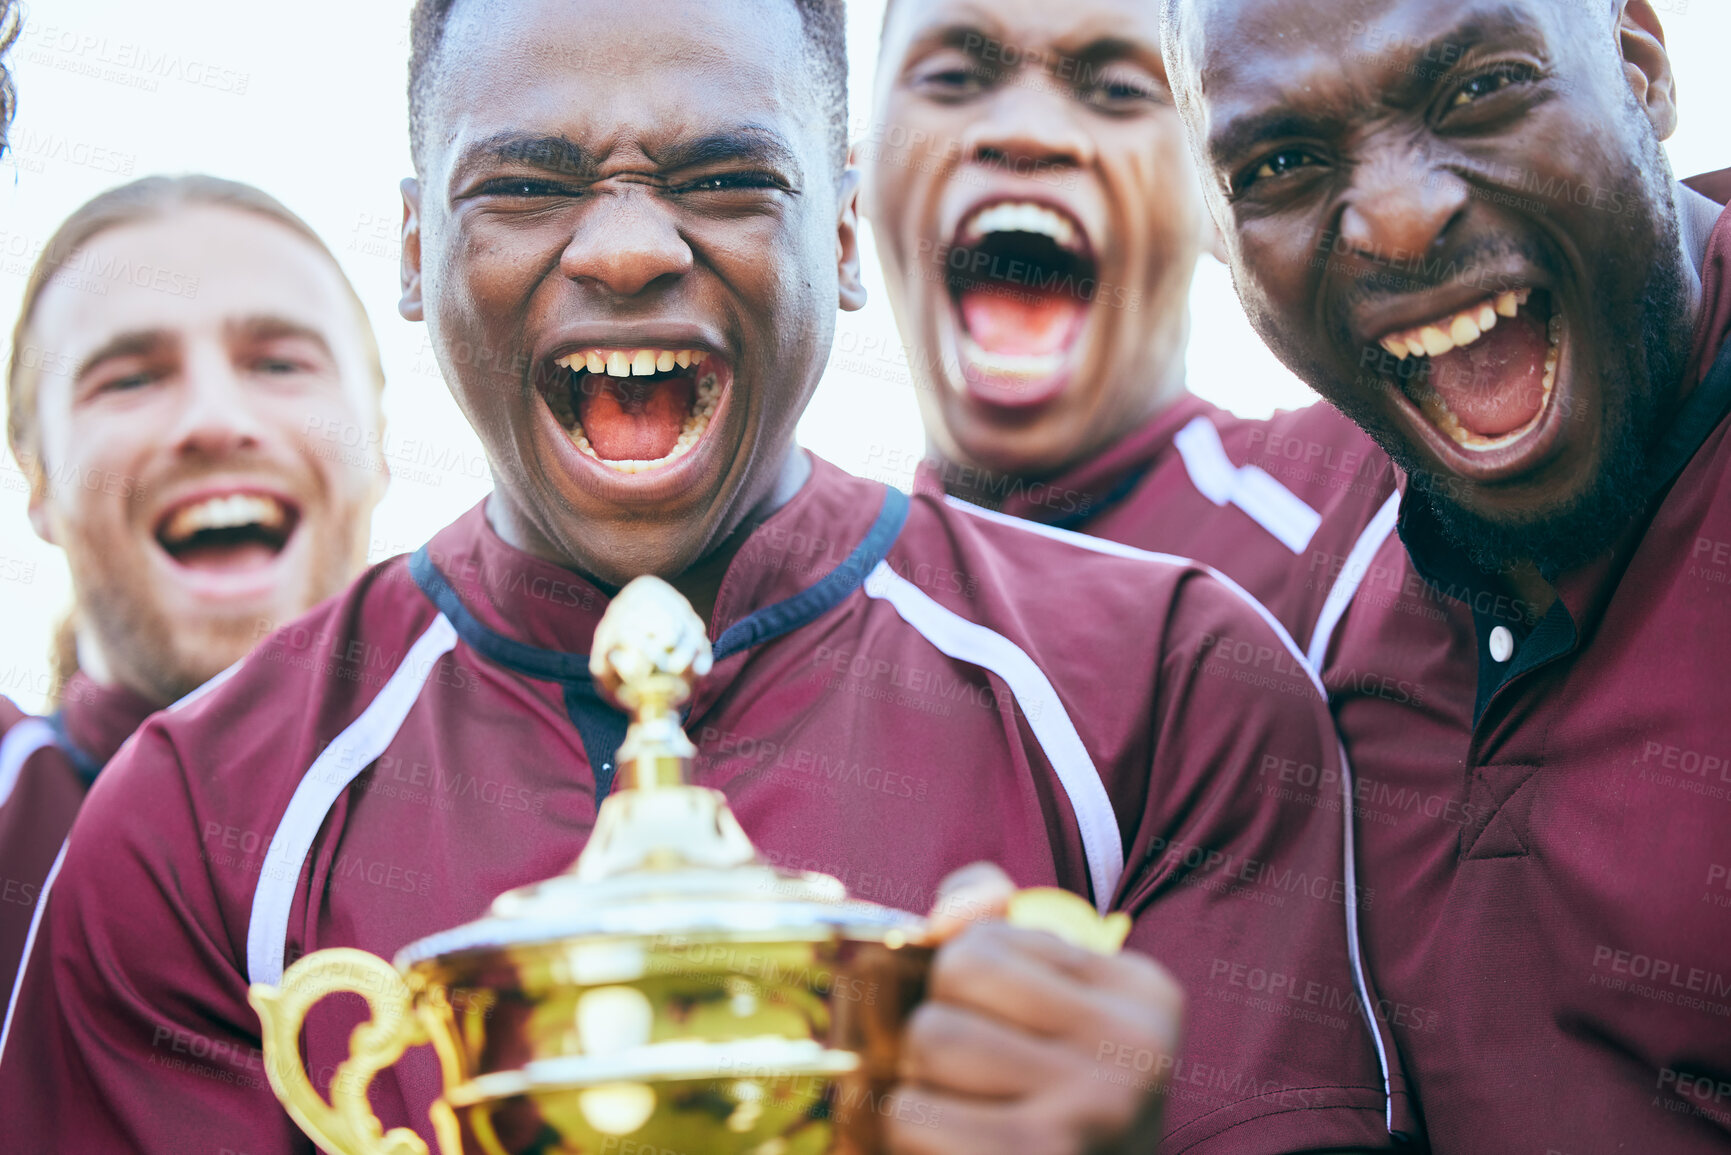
(1480, 87)
(1281, 163)
(520, 188)
(1118, 92)
(732, 181)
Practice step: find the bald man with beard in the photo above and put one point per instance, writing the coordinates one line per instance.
(1457, 222)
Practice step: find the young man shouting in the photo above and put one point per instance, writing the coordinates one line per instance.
(1457, 222)
(628, 235)
(166, 424)
(1039, 221)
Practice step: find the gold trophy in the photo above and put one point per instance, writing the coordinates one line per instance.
(670, 992)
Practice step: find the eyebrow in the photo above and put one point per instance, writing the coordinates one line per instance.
(272, 327)
(145, 342)
(748, 143)
(542, 151)
(131, 343)
(1240, 134)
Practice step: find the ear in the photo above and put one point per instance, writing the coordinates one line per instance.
(410, 303)
(38, 509)
(853, 293)
(1647, 66)
(1213, 242)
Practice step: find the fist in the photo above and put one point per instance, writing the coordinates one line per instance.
(1027, 1044)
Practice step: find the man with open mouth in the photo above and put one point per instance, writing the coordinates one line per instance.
(1039, 221)
(180, 341)
(629, 232)
(1456, 221)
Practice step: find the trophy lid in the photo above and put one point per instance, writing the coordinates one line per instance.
(667, 860)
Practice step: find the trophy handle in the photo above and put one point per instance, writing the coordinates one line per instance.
(346, 1125)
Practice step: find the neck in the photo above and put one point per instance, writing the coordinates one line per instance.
(982, 485)
(701, 583)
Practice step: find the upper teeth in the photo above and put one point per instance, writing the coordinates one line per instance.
(629, 362)
(1019, 217)
(1458, 330)
(230, 512)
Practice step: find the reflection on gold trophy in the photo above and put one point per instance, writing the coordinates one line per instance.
(671, 988)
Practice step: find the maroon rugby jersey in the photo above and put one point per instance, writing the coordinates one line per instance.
(900, 688)
(1549, 836)
(46, 765)
(1267, 503)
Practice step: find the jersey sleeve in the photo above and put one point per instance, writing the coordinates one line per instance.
(130, 1030)
(39, 795)
(1236, 879)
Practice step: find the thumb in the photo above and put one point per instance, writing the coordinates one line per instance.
(978, 892)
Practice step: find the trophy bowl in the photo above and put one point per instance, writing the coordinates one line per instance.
(670, 994)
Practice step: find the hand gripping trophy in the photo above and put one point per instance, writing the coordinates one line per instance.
(671, 987)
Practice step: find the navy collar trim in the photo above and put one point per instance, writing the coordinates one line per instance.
(86, 767)
(762, 626)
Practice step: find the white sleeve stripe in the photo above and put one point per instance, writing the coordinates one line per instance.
(29, 945)
(1119, 549)
(1350, 878)
(968, 641)
(20, 742)
(1352, 574)
(1268, 503)
(339, 764)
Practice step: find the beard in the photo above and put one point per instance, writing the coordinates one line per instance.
(163, 656)
(1639, 384)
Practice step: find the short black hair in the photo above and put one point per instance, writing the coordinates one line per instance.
(9, 27)
(824, 21)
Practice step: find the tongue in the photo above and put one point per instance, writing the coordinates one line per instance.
(634, 422)
(1021, 322)
(1495, 385)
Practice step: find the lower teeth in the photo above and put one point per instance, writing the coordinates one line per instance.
(708, 393)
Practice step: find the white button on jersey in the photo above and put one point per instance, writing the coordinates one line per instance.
(1502, 644)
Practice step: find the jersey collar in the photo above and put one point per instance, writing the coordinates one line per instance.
(1072, 498)
(538, 619)
(94, 720)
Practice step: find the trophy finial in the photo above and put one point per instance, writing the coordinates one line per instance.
(650, 647)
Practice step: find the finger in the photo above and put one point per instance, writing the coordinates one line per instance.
(976, 893)
(1048, 987)
(954, 1049)
(925, 1122)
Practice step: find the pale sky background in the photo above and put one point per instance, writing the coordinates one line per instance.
(306, 101)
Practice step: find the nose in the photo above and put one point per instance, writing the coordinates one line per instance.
(1401, 199)
(626, 241)
(1029, 126)
(218, 414)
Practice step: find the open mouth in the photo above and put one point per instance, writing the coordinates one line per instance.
(227, 532)
(635, 410)
(1483, 376)
(1022, 277)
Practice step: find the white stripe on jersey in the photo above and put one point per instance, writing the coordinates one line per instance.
(352, 751)
(1352, 573)
(1350, 868)
(1119, 549)
(1269, 503)
(21, 741)
(29, 945)
(968, 641)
